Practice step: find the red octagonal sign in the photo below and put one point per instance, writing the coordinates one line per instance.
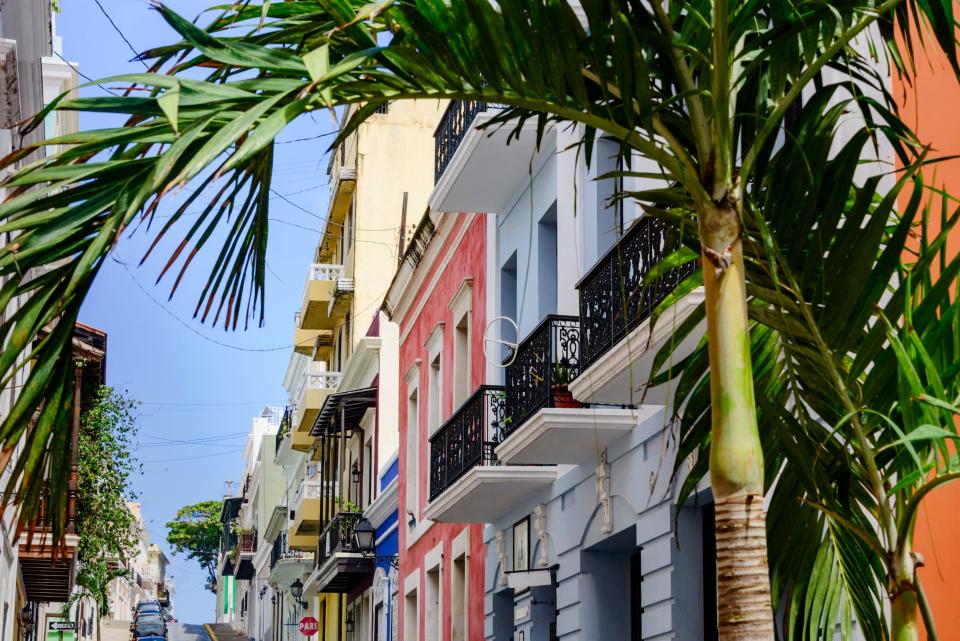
(308, 626)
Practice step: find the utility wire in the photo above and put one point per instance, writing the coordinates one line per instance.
(190, 327)
(117, 29)
(85, 76)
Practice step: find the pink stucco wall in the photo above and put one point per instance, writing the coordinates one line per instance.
(466, 259)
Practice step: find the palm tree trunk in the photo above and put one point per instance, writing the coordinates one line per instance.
(903, 616)
(736, 460)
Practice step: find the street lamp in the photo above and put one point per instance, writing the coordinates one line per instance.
(355, 474)
(349, 624)
(363, 537)
(296, 590)
(363, 534)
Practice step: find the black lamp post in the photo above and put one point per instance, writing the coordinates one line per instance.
(363, 537)
(296, 590)
(355, 474)
(363, 534)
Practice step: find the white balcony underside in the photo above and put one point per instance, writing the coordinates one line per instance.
(484, 171)
(572, 436)
(486, 493)
(287, 570)
(620, 375)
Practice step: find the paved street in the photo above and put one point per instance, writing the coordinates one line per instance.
(120, 631)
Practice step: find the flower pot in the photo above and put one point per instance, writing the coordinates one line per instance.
(562, 397)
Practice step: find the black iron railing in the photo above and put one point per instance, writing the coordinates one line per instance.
(281, 550)
(285, 422)
(453, 127)
(545, 363)
(468, 438)
(613, 299)
(338, 536)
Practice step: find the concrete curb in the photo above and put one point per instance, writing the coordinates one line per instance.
(210, 632)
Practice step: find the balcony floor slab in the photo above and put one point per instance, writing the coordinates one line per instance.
(570, 436)
(619, 375)
(486, 492)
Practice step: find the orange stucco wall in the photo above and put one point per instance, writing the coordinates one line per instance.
(930, 104)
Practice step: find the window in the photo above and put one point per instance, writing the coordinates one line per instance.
(508, 303)
(432, 605)
(411, 610)
(547, 263)
(383, 109)
(458, 599)
(435, 393)
(460, 308)
(413, 455)
(348, 227)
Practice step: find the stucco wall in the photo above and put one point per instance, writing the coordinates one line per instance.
(466, 259)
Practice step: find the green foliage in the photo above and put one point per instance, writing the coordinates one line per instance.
(106, 528)
(702, 88)
(195, 531)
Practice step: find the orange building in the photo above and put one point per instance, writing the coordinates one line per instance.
(929, 105)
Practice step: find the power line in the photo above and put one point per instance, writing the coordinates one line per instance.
(117, 29)
(192, 458)
(287, 142)
(85, 76)
(190, 327)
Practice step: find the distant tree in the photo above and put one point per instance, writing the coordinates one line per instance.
(106, 528)
(196, 532)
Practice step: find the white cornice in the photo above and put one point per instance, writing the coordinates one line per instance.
(462, 301)
(362, 365)
(384, 505)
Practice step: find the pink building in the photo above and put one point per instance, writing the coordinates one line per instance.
(438, 300)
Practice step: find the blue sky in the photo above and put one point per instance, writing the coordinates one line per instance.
(191, 387)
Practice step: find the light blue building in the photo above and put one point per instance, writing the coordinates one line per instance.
(584, 540)
(383, 515)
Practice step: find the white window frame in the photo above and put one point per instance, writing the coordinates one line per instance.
(461, 308)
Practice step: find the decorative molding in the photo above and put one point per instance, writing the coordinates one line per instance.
(462, 301)
(603, 493)
(502, 555)
(540, 525)
(385, 504)
(434, 342)
(412, 378)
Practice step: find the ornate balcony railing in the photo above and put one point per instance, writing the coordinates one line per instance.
(545, 363)
(286, 421)
(338, 536)
(613, 299)
(453, 127)
(325, 271)
(468, 438)
(281, 550)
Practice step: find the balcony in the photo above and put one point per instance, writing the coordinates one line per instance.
(243, 556)
(305, 514)
(311, 386)
(467, 483)
(286, 563)
(474, 168)
(341, 567)
(314, 318)
(544, 424)
(283, 452)
(616, 346)
(48, 568)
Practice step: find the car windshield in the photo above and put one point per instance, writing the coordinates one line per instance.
(149, 618)
(149, 629)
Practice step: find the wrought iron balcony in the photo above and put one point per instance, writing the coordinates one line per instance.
(338, 536)
(468, 438)
(281, 551)
(545, 363)
(286, 422)
(453, 127)
(613, 299)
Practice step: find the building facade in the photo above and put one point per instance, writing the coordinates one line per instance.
(32, 72)
(438, 300)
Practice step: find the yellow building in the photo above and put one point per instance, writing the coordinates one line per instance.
(380, 178)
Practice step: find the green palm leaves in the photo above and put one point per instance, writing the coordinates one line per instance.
(802, 248)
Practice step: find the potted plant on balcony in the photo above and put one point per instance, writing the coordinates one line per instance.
(560, 378)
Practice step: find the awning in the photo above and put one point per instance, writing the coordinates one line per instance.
(346, 408)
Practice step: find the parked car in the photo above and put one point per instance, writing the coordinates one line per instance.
(149, 629)
(168, 618)
(147, 617)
